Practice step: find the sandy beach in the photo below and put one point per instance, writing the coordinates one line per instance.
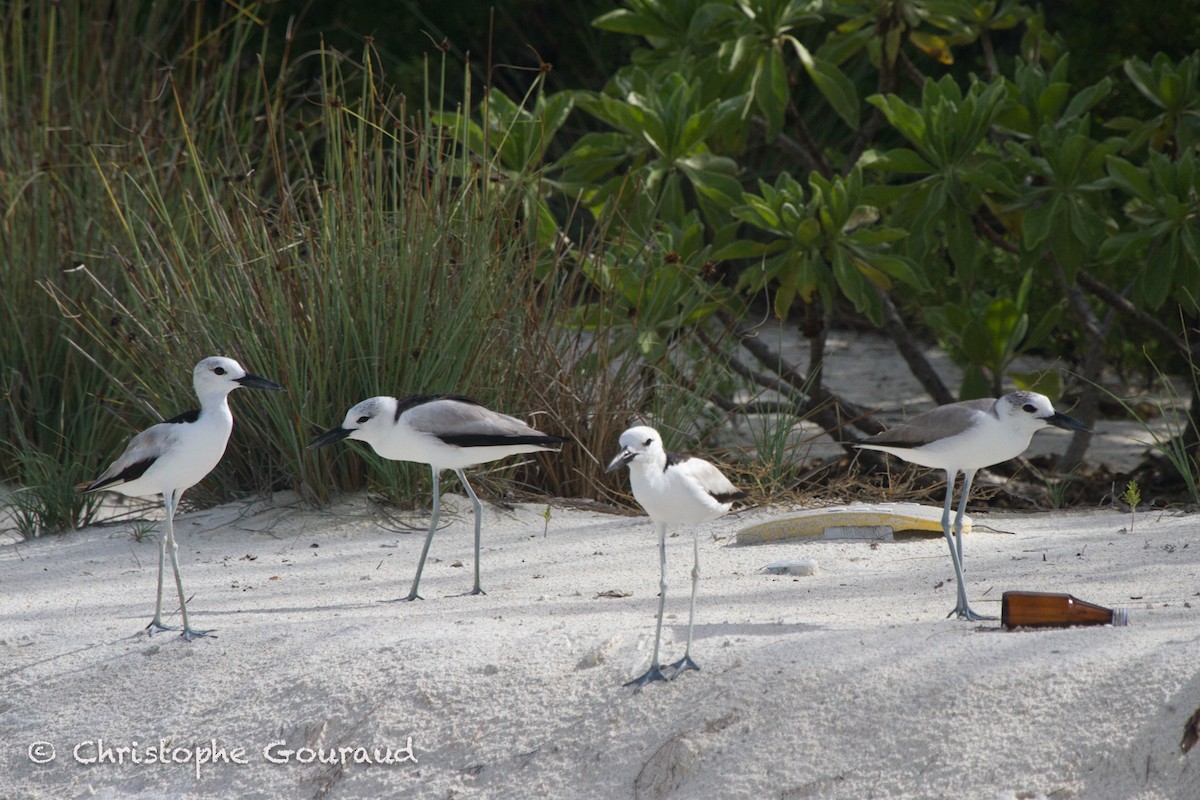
(848, 683)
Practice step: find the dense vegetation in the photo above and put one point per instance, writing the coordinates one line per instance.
(178, 180)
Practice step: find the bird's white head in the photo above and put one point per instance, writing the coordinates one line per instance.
(217, 375)
(368, 421)
(1033, 411)
(640, 444)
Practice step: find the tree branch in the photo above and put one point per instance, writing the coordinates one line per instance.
(830, 411)
(821, 413)
(820, 164)
(1123, 305)
(1090, 368)
(787, 144)
(989, 56)
(887, 82)
(918, 365)
(914, 74)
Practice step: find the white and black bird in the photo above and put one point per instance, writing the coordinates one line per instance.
(445, 432)
(672, 489)
(966, 437)
(172, 456)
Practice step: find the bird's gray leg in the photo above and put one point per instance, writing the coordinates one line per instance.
(961, 609)
(412, 594)
(478, 522)
(686, 663)
(968, 477)
(655, 672)
(173, 551)
(157, 624)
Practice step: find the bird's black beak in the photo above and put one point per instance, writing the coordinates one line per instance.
(1069, 423)
(255, 382)
(623, 458)
(329, 437)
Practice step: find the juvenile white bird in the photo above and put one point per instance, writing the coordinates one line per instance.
(445, 432)
(672, 489)
(172, 456)
(965, 437)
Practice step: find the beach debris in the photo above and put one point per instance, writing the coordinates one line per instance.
(791, 566)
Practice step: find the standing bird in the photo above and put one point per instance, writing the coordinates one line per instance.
(171, 457)
(672, 489)
(445, 432)
(965, 437)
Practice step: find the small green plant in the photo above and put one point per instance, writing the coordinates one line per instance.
(47, 469)
(1057, 487)
(1058, 490)
(1175, 447)
(141, 529)
(1132, 497)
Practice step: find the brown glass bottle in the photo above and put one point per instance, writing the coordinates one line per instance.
(1055, 610)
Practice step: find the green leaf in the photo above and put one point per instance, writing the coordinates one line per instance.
(1190, 239)
(594, 156)
(554, 114)
(1048, 382)
(842, 44)
(855, 287)
(1170, 88)
(808, 231)
(1037, 223)
(1006, 324)
(547, 226)
(877, 236)
(903, 117)
(962, 243)
(713, 176)
(710, 16)
(932, 45)
(976, 344)
(1156, 279)
(1045, 326)
(1142, 78)
(1052, 100)
(903, 160)
(1130, 179)
(974, 384)
(624, 20)
(1124, 248)
(745, 249)
(771, 90)
(901, 269)
(758, 212)
(831, 82)
(785, 296)
(1016, 118)
(1083, 101)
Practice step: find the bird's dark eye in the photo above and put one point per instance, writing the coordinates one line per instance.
(648, 441)
(219, 370)
(1029, 408)
(361, 420)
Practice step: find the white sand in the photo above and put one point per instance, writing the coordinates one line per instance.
(849, 683)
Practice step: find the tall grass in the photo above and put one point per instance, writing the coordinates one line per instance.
(169, 195)
(1177, 449)
(66, 79)
(344, 259)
